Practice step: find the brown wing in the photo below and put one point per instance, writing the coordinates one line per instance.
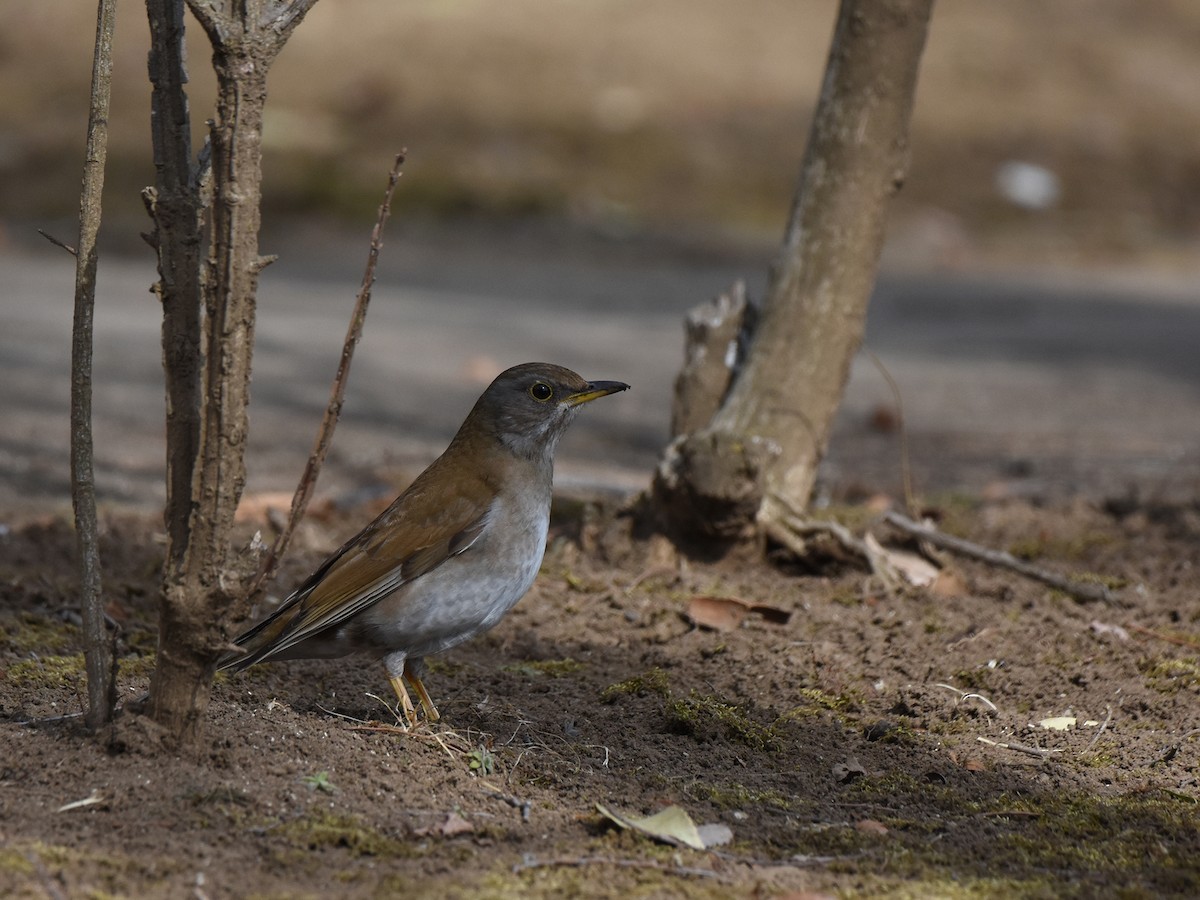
(413, 536)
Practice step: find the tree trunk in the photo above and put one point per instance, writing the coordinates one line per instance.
(98, 651)
(776, 418)
(202, 579)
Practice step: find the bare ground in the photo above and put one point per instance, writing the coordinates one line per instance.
(869, 746)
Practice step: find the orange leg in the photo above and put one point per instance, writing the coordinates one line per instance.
(414, 680)
(406, 704)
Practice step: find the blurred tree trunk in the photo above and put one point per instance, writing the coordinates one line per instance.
(762, 447)
(207, 353)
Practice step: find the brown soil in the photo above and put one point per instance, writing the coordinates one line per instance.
(870, 745)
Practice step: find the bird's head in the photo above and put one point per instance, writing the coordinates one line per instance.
(528, 407)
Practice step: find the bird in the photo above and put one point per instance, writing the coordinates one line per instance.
(451, 555)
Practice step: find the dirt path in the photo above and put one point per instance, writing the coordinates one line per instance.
(1061, 385)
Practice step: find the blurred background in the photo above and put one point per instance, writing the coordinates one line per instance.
(576, 167)
(1060, 132)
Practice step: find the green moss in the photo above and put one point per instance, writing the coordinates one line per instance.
(1168, 675)
(652, 681)
(31, 633)
(62, 671)
(554, 668)
(972, 679)
(698, 713)
(320, 830)
(13, 862)
(48, 671)
(738, 796)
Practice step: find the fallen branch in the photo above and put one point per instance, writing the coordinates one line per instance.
(1081, 590)
(333, 411)
(1019, 748)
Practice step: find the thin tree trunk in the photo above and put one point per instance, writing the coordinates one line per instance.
(176, 207)
(816, 307)
(770, 434)
(203, 583)
(98, 653)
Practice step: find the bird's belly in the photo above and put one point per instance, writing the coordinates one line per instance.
(461, 598)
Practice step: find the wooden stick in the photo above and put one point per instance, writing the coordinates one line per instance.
(1081, 590)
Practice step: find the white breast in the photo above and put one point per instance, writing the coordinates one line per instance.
(470, 592)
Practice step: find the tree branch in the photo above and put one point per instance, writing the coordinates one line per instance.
(98, 653)
(1081, 590)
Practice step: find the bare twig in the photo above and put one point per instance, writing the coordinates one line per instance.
(58, 243)
(964, 695)
(910, 502)
(1081, 590)
(1103, 728)
(333, 411)
(1159, 636)
(98, 652)
(524, 806)
(1019, 748)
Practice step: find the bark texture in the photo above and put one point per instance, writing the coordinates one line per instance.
(202, 578)
(98, 652)
(785, 397)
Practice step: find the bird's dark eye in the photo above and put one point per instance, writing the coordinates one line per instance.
(541, 391)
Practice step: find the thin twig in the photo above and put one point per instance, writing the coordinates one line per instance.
(58, 243)
(1081, 590)
(963, 695)
(523, 805)
(333, 411)
(1169, 638)
(910, 502)
(98, 651)
(1103, 728)
(1019, 748)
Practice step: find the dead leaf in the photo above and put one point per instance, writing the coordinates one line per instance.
(948, 583)
(714, 834)
(256, 507)
(727, 613)
(871, 826)
(975, 764)
(916, 570)
(671, 826)
(455, 825)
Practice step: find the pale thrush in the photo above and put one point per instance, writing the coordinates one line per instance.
(452, 554)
